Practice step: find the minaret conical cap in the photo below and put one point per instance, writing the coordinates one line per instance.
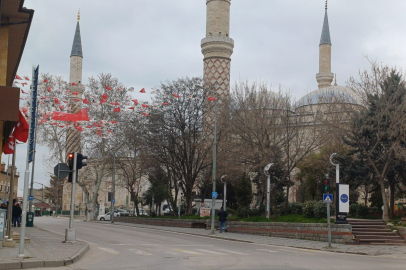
(77, 42)
(325, 33)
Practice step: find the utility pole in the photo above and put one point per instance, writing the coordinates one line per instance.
(70, 234)
(225, 192)
(268, 193)
(328, 213)
(180, 197)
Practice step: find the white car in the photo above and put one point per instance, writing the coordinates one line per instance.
(106, 216)
(142, 212)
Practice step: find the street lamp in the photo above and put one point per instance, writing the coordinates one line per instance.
(214, 157)
(225, 191)
(268, 188)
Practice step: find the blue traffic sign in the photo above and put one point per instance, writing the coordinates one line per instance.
(113, 201)
(30, 198)
(327, 198)
(214, 194)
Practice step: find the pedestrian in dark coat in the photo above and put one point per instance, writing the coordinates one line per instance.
(222, 219)
(17, 211)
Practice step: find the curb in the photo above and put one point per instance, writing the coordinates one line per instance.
(326, 249)
(36, 263)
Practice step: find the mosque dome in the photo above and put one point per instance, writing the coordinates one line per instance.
(330, 94)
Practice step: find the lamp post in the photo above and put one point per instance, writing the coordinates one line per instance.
(225, 191)
(268, 189)
(214, 157)
(180, 198)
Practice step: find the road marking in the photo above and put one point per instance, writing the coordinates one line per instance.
(211, 251)
(140, 252)
(140, 244)
(233, 252)
(188, 251)
(109, 250)
(272, 251)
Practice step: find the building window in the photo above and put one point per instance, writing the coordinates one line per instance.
(109, 197)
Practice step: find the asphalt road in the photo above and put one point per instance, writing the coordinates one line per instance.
(120, 247)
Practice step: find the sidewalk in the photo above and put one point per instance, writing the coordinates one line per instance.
(45, 249)
(379, 250)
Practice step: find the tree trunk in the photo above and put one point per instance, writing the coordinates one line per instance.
(91, 210)
(366, 195)
(287, 201)
(189, 202)
(385, 201)
(392, 199)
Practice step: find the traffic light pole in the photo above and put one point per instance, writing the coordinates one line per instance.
(70, 233)
(328, 213)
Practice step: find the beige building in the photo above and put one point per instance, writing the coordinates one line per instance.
(5, 177)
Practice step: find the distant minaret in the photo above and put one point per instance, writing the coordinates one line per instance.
(75, 85)
(217, 47)
(325, 77)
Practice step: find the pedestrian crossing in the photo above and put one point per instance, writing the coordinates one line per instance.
(182, 251)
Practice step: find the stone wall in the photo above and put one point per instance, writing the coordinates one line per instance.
(187, 223)
(402, 232)
(308, 231)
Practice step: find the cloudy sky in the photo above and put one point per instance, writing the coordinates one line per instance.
(144, 42)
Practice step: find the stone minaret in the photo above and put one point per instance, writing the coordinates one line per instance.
(325, 77)
(75, 85)
(217, 47)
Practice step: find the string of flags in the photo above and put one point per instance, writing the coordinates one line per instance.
(55, 100)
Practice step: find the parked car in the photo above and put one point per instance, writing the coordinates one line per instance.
(142, 212)
(106, 216)
(121, 212)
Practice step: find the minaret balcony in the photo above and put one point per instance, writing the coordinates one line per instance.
(221, 39)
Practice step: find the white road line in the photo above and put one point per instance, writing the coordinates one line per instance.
(233, 252)
(109, 250)
(211, 251)
(272, 251)
(140, 252)
(188, 251)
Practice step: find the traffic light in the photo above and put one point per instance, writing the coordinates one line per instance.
(70, 163)
(327, 185)
(81, 161)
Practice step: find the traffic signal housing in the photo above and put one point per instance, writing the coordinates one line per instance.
(81, 161)
(327, 185)
(70, 160)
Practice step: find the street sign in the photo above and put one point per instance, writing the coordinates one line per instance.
(214, 194)
(30, 198)
(113, 201)
(327, 198)
(61, 170)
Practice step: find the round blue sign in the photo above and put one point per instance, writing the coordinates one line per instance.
(344, 198)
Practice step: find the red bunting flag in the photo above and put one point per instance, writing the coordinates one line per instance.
(9, 146)
(61, 126)
(22, 91)
(104, 98)
(108, 87)
(25, 110)
(75, 93)
(45, 80)
(49, 89)
(85, 101)
(165, 103)
(135, 101)
(43, 120)
(61, 107)
(56, 100)
(26, 78)
(175, 95)
(110, 131)
(113, 122)
(145, 114)
(143, 90)
(131, 108)
(65, 101)
(79, 128)
(23, 84)
(211, 99)
(80, 116)
(118, 89)
(74, 84)
(21, 130)
(18, 77)
(89, 126)
(116, 109)
(114, 103)
(76, 99)
(145, 105)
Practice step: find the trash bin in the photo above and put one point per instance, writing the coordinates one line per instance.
(30, 219)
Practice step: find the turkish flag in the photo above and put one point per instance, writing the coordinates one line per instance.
(142, 90)
(9, 146)
(21, 129)
(116, 109)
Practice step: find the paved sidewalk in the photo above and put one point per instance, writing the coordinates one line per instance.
(46, 249)
(380, 250)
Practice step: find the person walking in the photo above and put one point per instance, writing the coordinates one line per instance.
(51, 213)
(222, 219)
(17, 211)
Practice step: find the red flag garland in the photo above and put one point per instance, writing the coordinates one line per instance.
(116, 109)
(80, 116)
(75, 93)
(49, 89)
(143, 91)
(56, 100)
(175, 95)
(211, 99)
(165, 103)
(145, 105)
(135, 101)
(18, 77)
(85, 101)
(104, 98)
(23, 84)
(26, 78)
(108, 87)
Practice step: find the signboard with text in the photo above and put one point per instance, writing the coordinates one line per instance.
(204, 210)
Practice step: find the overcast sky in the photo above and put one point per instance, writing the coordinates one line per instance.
(144, 42)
